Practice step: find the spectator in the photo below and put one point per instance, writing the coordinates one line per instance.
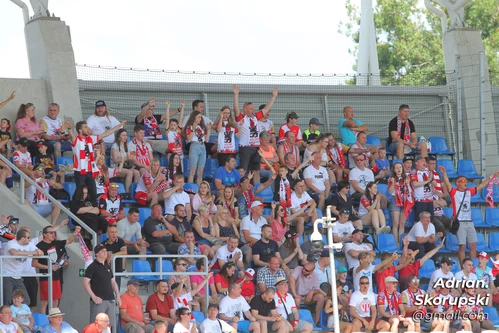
(180, 267)
(28, 127)
(390, 307)
(22, 157)
(483, 272)
(54, 135)
(227, 199)
(198, 105)
(290, 162)
(422, 236)
(100, 325)
(104, 174)
(111, 206)
(160, 305)
(198, 279)
(346, 287)
(408, 164)
(128, 228)
(229, 253)
(290, 126)
(466, 272)
(173, 131)
(204, 197)
(151, 186)
(461, 202)
(444, 272)
(250, 132)
(57, 323)
(445, 306)
(150, 123)
(317, 181)
(382, 162)
(288, 146)
(174, 168)
(5, 138)
(423, 183)
(305, 288)
(120, 156)
(204, 230)
(268, 155)
(402, 137)
(363, 309)
(345, 326)
(247, 284)
(409, 300)
(232, 308)
(100, 285)
(180, 222)
(227, 130)
(263, 308)
(265, 247)
(286, 307)
(159, 232)
(87, 211)
(248, 194)
(21, 313)
(397, 187)
(224, 278)
(311, 134)
(342, 201)
(350, 127)
(56, 250)
(370, 209)
(366, 268)
(441, 222)
(48, 162)
(6, 323)
(337, 161)
(319, 147)
(225, 226)
(251, 225)
(184, 323)
(267, 125)
(281, 223)
(360, 147)
(343, 229)
(20, 246)
(140, 151)
(227, 175)
(214, 325)
(132, 318)
(196, 132)
(38, 200)
(300, 199)
(182, 298)
(176, 195)
(101, 121)
(359, 177)
(85, 169)
(268, 275)
(474, 310)
(115, 246)
(357, 245)
(189, 248)
(323, 269)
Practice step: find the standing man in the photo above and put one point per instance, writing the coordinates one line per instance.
(402, 137)
(101, 121)
(317, 181)
(423, 183)
(442, 222)
(84, 166)
(159, 232)
(128, 228)
(461, 204)
(132, 317)
(350, 127)
(54, 135)
(249, 142)
(101, 324)
(99, 283)
(115, 246)
(56, 250)
(140, 151)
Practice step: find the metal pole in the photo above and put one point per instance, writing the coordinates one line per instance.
(333, 270)
(21, 189)
(51, 295)
(1, 280)
(482, 114)
(459, 104)
(326, 111)
(206, 105)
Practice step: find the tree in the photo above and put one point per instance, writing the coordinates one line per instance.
(409, 39)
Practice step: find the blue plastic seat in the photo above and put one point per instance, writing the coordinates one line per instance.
(267, 194)
(448, 211)
(167, 266)
(198, 316)
(133, 188)
(409, 223)
(121, 188)
(142, 266)
(323, 321)
(401, 241)
(144, 213)
(191, 187)
(70, 187)
(40, 319)
(492, 315)
(476, 216)
(387, 243)
(481, 245)
(163, 161)
(439, 146)
(306, 315)
(103, 237)
(383, 188)
(373, 140)
(64, 161)
(467, 168)
(455, 268)
(443, 249)
(427, 269)
(492, 216)
(451, 243)
(185, 166)
(449, 167)
(494, 241)
(388, 217)
(210, 168)
(477, 198)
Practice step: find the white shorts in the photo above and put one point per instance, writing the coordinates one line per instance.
(466, 233)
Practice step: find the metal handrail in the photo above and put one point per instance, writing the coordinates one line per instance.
(24, 178)
(48, 275)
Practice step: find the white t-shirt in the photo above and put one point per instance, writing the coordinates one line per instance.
(213, 326)
(289, 302)
(445, 302)
(179, 328)
(229, 306)
(206, 120)
(51, 126)
(224, 254)
(266, 125)
(297, 203)
(127, 230)
(15, 266)
(36, 197)
(99, 125)
(418, 231)
(437, 275)
(175, 199)
(342, 229)
(318, 177)
(363, 303)
(351, 161)
(362, 177)
(460, 276)
(182, 301)
(24, 159)
(28, 269)
(255, 229)
(351, 261)
(363, 272)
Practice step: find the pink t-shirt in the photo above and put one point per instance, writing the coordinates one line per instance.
(198, 279)
(278, 230)
(28, 126)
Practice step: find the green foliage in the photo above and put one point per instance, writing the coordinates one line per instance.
(409, 39)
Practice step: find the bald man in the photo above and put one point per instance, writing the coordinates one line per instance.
(101, 324)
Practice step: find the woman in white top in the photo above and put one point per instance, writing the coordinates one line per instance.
(370, 210)
(105, 174)
(119, 154)
(397, 188)
(184, 323)
(227, 130)
(196, 133)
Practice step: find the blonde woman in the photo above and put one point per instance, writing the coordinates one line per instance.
(204, 230)
(227, 199)
(225, 225)
(204, 197)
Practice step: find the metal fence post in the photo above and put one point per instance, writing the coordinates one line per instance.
(459, 104)
(483, 163)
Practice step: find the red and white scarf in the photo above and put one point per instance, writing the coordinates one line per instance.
(284, 195)
(413, 299)
(87, 256)
(409, 200)
(249, 197)
(393, 306)
(141, 153)
(407, 129)
(399, 186)
(490, 190)
(337, 155)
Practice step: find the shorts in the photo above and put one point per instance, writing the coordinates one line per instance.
(44, 210)
(134, 328)
(393, 205)
(392, 148)
(249, 158)
(466, 233)
(197, 155)
(44, 290)
(376, 321)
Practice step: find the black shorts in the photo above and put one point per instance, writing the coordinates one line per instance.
(249, 158)
(31, 285)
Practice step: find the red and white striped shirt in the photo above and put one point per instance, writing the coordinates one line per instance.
(83, 154)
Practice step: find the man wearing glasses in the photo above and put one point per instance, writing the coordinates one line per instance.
(363, 309)
(409, 296)
(359, 177)
(38, 200)
(21, 246)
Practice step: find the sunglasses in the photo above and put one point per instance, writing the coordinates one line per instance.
(181, 264)
(114, 186)
(51, 232)
(463, 181)
(361, 159)
(362, 283)
(415, 280)
(15, 222)
(40, 169)
(186, 313)
(281, 210)
(345, 211)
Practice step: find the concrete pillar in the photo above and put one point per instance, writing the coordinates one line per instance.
(467, 43)
(51, 58)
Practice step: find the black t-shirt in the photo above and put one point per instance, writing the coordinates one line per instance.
(346, 287)
(151, 225)
(47, 160)
(114, 248)
(340, 203)
(100, 276)
(263, 308)
(75, 205)
(55, 251)
(181, 226)
(265, 250)
(5, 136)
(392, 127)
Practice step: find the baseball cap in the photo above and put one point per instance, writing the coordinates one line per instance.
(342, 269)
(291, 234)
(325, 253)
(99, 248)
(100, 103)
(256, 203)
(391, 279)
(250, 272)
(314, 121)
(23, 142)
(407, 158)
(292, 115)
(280, 279)
(40, 144)
(447, 261)
(13, 219)
(431, 158)
(483, 254)
(133, 282)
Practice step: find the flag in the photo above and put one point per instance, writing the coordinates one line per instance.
(87, 256)
(489, 198)
(409, 200)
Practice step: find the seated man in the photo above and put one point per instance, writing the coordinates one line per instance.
(159, 232)
(263, 308)
(402, 137)
(267, 276)
(391, 308)
(300, 198)
(264, 248)
(229, 252)
(101, 121)
(317, 181)
(111, 206)
(160, 305)
(286, 307)
(363, 309)
(176, 195)
(227, 175)
(132, 317)
(214, 325)
(359, 177)
(342, 231)
(130, 227)
(232, 308)
(422, 235)
(349, 127)
(57, 323)
(180, 222)
(39, 201)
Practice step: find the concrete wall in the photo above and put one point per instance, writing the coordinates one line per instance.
(75, 302)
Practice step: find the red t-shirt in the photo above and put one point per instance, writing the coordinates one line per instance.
(381, 275)
(92, 328)
(162, 307)
(410, 269)
(247, 289)
(219, 279)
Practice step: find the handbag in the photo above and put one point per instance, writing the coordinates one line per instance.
(291, 316)
(454, 228)
(66, 168)
(59, 194)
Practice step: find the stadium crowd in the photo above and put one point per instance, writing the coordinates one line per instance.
(249, 217)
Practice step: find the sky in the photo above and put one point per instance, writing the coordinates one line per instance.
(276, 36)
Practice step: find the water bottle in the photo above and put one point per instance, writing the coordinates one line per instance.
(428, 143)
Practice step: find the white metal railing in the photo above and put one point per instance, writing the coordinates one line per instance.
(47, 275)
(24, 177)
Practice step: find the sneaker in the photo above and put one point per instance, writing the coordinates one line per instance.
(388, 229)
